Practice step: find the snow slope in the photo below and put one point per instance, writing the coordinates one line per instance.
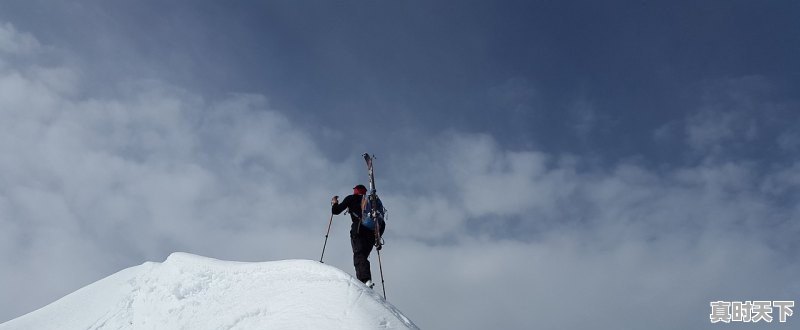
(193, 292)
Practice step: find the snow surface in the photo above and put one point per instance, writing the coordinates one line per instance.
(193, 292)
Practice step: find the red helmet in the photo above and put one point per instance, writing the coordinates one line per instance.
(359, 190)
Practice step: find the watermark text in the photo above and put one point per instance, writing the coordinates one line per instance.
(750, 311)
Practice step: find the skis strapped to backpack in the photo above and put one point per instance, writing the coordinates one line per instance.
(372, 207)
(376, 212)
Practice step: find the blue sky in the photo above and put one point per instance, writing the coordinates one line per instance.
(521, 146)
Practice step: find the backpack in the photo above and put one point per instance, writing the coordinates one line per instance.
(367, 219)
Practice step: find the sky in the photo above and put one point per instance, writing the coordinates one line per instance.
(545, 164)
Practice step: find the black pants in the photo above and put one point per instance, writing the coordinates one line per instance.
(362, 243)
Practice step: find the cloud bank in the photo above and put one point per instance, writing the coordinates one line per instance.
(497, 237)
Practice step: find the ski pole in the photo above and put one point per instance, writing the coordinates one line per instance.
(326, 239)
(383, 285)
(378, 246)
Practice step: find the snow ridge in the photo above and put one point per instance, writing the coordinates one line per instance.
(193, 292)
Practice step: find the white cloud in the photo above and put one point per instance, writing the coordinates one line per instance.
(625, 237)
(102, 183)
(737, 115)
(710, 130)
(91, 185)
(14, 42)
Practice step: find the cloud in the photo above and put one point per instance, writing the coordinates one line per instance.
(16, 43)
(479, 235)
(709, 130)
(626, 236)
(91, 185)
(733, 119)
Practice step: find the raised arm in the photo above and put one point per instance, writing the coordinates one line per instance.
(338, 208)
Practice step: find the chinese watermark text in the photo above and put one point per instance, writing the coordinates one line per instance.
(750, 311)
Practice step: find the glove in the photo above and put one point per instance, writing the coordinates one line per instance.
(335, 200)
